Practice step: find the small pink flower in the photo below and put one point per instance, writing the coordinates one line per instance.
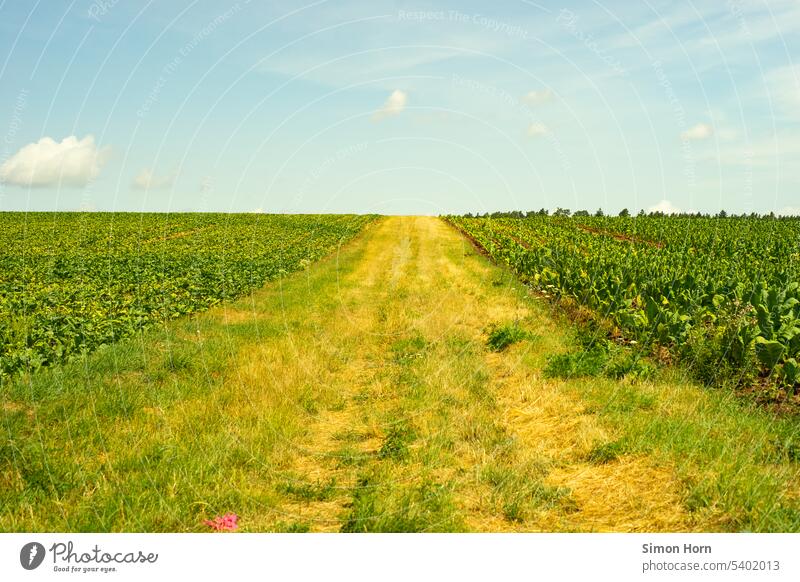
(227, 522)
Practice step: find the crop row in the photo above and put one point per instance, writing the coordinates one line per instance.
(71, 282)
(722, 294)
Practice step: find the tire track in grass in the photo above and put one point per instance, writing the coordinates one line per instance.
(433, 431)
(545, 482)
(342, 356)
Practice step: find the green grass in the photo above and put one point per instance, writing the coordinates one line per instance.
(395, 446)
(308, 491)
(606, 452)
(408, 349)
(376, 410)
(291, 527)
(519, 491)
(736, 460)
(502, 336)
(600, 359)
(157, 432)
(379, 505)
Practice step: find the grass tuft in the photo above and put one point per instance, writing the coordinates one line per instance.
(502, 336)
(383, 506)
(601, 359)
(519, 491)
(292, 527)
(309, 491)
(407, 350)
(395, 445)
(607, 452)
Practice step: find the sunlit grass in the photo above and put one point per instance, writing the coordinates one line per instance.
(361, 395)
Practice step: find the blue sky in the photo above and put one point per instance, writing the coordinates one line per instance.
(399, 107)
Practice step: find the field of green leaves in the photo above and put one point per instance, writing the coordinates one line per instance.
(71, 282)
(720, 294)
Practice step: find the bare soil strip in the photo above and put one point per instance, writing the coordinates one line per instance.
(621, 237)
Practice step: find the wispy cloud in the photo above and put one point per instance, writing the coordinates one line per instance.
(393, 105)
(769, 152)
(207, 185)
(369, 64)
(698, 132)
(537, 129)
(147, 180)
(538, 97)
(657, 27)
(70, 162)
(690, 29)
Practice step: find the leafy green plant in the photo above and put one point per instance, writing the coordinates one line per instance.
(603, 359)
(628, 365)
(769, 352)
(790, 373)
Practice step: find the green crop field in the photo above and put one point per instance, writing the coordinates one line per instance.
(205, 372)
(721, 294)
(71, 282)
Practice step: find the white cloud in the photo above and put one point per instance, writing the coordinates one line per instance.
(392, 106)
(147, 180)
(537, 97)
(71, 162)
(789, 211)
(257, 211)
(666, 207)
(537, 130)
(698, 132)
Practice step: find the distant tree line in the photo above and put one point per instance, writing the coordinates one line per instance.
(624, 213)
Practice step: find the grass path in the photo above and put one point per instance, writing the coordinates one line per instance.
(360, 395)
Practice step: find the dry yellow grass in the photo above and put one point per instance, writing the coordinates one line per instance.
(630, 494)
(474, 413)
